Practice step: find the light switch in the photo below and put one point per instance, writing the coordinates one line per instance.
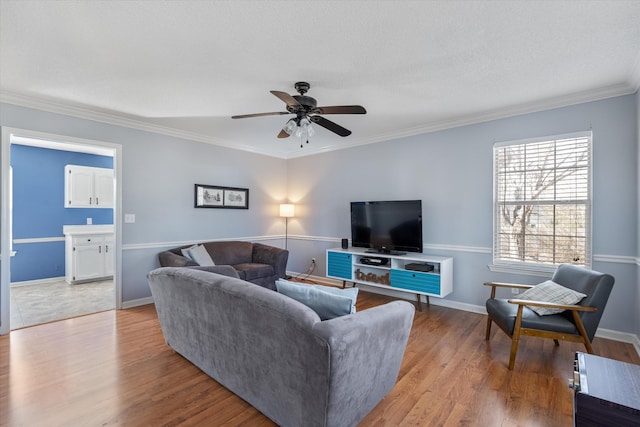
(89, 221)
(129, 218)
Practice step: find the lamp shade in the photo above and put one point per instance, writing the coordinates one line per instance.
(287, 210)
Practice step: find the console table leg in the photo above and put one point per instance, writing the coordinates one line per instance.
(428, 304)
(419, 302)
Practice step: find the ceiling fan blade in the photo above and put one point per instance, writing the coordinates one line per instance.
(283, 134)
(341, 109)
(245, 116)
(329, 125)
(286, 98)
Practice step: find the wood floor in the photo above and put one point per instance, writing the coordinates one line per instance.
(114, 369)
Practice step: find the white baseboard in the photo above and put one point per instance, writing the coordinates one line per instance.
(619, 336)
(137, 302)
(37, 281)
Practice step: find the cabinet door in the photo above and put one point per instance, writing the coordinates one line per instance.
(339, 265)
(103, 188)
(88, 262)
(78, 187)
(416, 281)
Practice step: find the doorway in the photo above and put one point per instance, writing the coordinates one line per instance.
(59, 144)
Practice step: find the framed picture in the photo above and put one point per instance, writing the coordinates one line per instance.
(213, 196)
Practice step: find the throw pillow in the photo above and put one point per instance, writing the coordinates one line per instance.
(185, 252)
(200, 255)
(326, 301)
(552, 292)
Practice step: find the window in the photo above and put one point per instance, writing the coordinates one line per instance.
(542, 201)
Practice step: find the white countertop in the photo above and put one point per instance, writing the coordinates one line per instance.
(87, 229)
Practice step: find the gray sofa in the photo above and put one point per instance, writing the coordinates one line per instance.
(276, 353)
(254, 262)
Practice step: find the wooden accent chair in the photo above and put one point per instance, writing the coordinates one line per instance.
(577, 323)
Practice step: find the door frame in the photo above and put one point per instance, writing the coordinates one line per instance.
(5, 219)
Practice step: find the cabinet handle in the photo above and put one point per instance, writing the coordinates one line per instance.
(106, 248)
(89, 200)
(97, 202)
(99, 249)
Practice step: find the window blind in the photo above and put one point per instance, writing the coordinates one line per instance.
(542, 201)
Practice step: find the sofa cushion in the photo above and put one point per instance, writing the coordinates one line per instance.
(552, 292)
(230, 253)
(327, 301)
(252, 271)
(200, 255)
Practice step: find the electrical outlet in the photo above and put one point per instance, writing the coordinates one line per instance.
(313, 260)
(515, 291)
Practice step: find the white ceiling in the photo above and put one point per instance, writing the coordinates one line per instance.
(185, 67)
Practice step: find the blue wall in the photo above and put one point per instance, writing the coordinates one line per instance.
(39, 212)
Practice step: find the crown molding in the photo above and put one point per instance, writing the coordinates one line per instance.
(121, 120)
(117, 120)
(532, 107)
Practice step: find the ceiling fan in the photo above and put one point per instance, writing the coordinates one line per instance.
(306, 110)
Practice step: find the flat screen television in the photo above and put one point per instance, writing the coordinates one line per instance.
(391, 227)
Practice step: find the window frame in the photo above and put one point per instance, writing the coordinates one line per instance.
(537, 268)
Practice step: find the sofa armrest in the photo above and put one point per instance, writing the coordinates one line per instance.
(366, 350)
(169, 259)
(271, 255)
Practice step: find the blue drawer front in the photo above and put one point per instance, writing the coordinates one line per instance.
(339, 265)
(421, 282)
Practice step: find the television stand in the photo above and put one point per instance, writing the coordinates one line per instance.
(385, 252)
(415, 273)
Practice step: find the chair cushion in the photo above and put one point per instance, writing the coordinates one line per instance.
(552, 292)
(504, 314)
(252, 271)
(326, 301)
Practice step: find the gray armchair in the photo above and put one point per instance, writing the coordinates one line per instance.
(577, 323)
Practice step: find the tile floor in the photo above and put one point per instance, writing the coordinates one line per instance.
(41, 303)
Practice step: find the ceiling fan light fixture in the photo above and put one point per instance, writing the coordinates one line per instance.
(290, 127)
(305, 130)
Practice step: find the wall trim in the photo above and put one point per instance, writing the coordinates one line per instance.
(38, 240)
(620, 259)
(174, 244)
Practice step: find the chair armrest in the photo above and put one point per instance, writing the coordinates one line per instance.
(495, 285)
(572, 307)
(169, 259)
(271, 255)
(508, 285)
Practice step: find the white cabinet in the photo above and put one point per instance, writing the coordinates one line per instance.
(88, 252)
(88, 187)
